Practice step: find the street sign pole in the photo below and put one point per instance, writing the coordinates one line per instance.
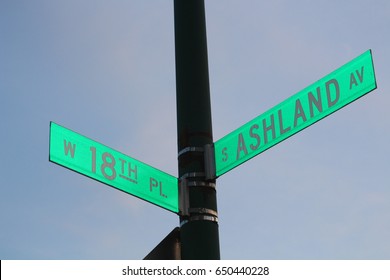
(198, 204)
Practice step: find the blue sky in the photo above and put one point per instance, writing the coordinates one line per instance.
(106, 69)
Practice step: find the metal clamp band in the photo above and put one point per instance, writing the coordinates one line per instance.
(204, 218)
(201, 184)
(190, 149)
(203, 211)
(200, 218)
(192, 175)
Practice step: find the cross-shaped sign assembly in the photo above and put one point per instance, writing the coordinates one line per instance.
(201, 161)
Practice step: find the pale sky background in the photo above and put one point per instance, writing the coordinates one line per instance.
(106, 70)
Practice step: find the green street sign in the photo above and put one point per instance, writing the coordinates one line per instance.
(324, 97)
(113, 168)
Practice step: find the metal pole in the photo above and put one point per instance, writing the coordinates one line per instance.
(198, 218)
